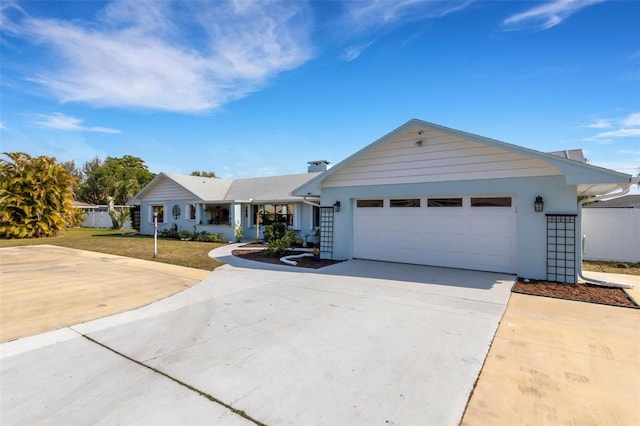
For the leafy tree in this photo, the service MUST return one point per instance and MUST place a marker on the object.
(204, 174)
(35, 196)
(76, 174)
(90, 189)
(120, 178)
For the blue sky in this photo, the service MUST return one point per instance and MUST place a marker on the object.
(261, 87)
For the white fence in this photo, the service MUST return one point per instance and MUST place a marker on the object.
(611, 234)
(100, 219)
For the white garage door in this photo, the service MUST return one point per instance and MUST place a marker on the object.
(458, 232)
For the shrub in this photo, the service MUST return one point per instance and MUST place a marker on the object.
(184, 234)
(239, 232)
(275, 231)
(279, 246)
(209, 237)
(168, 233)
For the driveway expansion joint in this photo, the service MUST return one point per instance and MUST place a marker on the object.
(181, 383)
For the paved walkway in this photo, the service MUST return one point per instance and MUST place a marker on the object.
(45, 287)
(559, 362)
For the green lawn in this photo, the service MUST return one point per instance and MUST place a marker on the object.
(184, 253)
(193, 253)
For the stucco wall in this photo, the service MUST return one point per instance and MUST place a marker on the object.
(303, 219)
(531, 227)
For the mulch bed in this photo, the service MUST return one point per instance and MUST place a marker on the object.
(578, 292)
(259, 256)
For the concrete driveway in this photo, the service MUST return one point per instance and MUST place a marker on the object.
(356, 343)
(46, 287)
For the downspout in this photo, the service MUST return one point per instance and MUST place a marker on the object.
(311, 203)
(580, 245)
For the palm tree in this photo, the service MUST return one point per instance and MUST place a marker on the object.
(35, 196)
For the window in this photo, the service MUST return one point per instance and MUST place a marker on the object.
(407, 202)
(217, 214)
(444, 202)
(370, 203)
(270, 213)
(191, 211)
(316, 217)
(160, 211)
(491, 202)
(175, 212)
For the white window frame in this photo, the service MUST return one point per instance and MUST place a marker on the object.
(187, 209)
(164, 212)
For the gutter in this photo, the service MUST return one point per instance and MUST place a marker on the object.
(579, 260)
(311, 203)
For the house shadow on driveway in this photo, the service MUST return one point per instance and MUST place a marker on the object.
(389, 271)
(489, 287)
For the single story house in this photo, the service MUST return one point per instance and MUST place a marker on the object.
(218, 206)
(429, 194)
(422, 194)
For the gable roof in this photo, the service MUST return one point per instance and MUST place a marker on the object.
(270, 188)
(204, 188)
(591, 180)
(208, 189)
(626, 202)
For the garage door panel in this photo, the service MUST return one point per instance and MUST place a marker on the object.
(496, 244)
(444, 222)
(445, 242)
(491, 226)
(467, 237)
(405, 238)
(485, 262)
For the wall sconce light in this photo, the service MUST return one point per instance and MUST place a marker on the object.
(538, 205)
(420, 142)
(336, 207)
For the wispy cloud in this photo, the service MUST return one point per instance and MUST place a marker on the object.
(169, 55)
(626, 127)
(632, 120)
(367, 14)
(368, 18)
(547, 15)
(600, 123)
(64, 122)
(352, 52)
(2, 126)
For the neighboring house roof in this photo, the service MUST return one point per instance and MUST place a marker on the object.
(571, 154)
(589, 179)
(206, 189)
(82, 205)
(626, 202)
